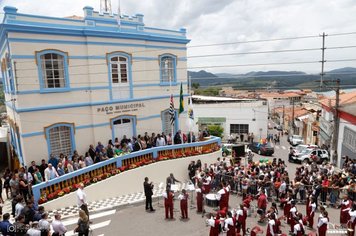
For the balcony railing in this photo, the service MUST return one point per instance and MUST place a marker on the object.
(67, 183)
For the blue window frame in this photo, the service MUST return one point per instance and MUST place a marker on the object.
(60, 139)
(120, 75)
(8, 76)
(168, 69)
(53, 71)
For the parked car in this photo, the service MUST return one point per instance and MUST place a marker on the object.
(310, 154)
(296, 139)
(278, 127)
(262, 149)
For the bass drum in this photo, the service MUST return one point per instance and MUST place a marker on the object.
(211, 200)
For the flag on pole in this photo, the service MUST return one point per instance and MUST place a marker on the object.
(119, 14)
(190, 110)
(171, 110)
(181, 99)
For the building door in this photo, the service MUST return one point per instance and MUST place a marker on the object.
(123, 127)
(120, 84)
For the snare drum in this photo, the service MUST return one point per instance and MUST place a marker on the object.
(211, 200)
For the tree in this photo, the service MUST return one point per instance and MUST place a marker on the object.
(216, 130)
(195, 85)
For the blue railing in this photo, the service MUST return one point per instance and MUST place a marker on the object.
(45, 189)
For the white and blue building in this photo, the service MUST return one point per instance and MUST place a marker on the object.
(71, 82)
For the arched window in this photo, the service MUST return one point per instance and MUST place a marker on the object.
(53, 70)
(120, 75)
(168, 69)
(60, 139)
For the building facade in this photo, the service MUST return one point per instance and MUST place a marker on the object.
(71, 82)
(346, 141)
(236, 116)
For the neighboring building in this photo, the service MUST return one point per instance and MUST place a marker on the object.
(71, 82)
(236, 116)
(347, 125)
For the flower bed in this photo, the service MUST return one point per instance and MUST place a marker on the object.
(112, 172)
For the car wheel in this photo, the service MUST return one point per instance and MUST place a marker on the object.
(306, 161)
(259, 152)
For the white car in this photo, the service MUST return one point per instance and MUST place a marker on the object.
(298, 149)
(296, 139)
(307, 155)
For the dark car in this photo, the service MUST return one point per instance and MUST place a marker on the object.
(262, 149)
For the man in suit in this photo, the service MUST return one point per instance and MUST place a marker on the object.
(171, 180)
(148, 193)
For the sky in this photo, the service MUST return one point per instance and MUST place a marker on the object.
(231, 25)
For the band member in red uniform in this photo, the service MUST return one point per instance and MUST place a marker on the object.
(292, 216)
(323, 224)
(241, 216)
(262, 205)
(287, 204)
(168, 202)
(311, 211)
(183, 197)
(230, 224)
(298, 228)
(200, 198)
(206, 184)
(346, 204)
(272, 228)
(223, 197)
(214, 224)
(352, 221)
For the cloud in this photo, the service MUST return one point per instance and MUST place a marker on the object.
(228, 21)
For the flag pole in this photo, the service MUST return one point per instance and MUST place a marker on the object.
(190, 101)
(172, 128)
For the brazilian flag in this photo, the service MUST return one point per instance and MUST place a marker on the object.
(181, 99)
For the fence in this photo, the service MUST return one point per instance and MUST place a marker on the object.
(67, 183)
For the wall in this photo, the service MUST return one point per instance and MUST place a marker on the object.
(343, 149)
(131, 181)
(237, 113)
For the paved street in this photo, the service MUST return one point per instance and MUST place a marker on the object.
(134, 220)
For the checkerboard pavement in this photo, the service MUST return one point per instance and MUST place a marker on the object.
(113, 202)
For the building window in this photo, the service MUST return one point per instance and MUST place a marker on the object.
(60, 139)
(168, 69)
(120, 78)
(53, 70)
(8, 78)
(239, 129)
(119, 68)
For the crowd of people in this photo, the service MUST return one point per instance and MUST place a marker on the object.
(315, 186)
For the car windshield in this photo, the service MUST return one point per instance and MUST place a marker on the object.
(306, 151)
(300, 148)
(267, 145)
(297, 137)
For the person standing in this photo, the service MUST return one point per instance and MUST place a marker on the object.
(83, 224)
(200, 198)
(50, 172)
(58, 226)
(82, 199)
(183, 197)
(5, 224)
(311, 212)
(148, 187)
(262, 205)
(323, 224)
(344, 210)
(168, 202)
(214, 224)
(272, 228)
(230, 224)
(223, 197)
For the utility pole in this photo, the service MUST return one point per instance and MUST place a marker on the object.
(283, 118)
(336, 122)
(322, 60)
(105, 6)
(335, 137)
(292, 116)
